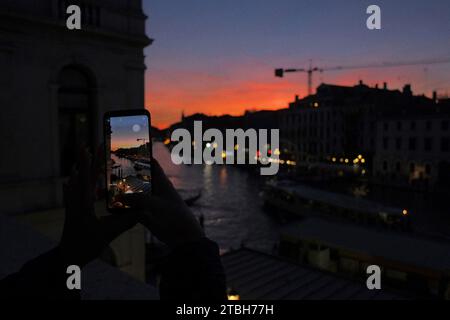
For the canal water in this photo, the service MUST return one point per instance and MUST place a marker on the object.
(233, 210)
(230, 202)
(126, 167)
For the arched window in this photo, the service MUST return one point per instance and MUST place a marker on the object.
(75, 113)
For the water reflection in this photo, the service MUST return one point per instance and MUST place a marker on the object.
(233, 211)
(230, 202)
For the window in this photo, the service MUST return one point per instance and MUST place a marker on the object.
(398, 143)
(385, 143)
(445, 144)
(428, 143)
(412, 144)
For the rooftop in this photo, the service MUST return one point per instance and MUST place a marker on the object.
(256, 275)
(338, 200)
(390, 246)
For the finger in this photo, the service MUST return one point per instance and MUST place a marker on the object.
(160, 180)
(85, 166)
(113, 226)
(73, 179)
(66, 200)
(98, 162)
(85, 181)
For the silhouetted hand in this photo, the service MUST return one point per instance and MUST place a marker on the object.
(166, 214)
(85, 236)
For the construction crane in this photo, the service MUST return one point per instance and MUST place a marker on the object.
(280, 71)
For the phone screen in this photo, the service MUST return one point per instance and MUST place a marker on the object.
(128, 159)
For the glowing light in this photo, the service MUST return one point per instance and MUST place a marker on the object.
(291, 163)
(355, 161)
(363, 160)
(316, 104)
(346, 160)
(233, 297)
(224, 155)
(208, 145)
(360, 157)
(277, 152)
(341, 160)
(363, 172)
(333, 159)
(236, 147)
(405, 212)
(215, 145)
(167, 141)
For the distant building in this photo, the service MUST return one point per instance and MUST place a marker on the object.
(341, 125)
(55, 86)
(409, 263)
(414, 150)
(255, 275)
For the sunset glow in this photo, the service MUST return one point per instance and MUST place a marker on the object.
(219, 58)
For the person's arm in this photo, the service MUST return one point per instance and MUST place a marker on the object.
(84, 238)
(193, 270)
(43, 277)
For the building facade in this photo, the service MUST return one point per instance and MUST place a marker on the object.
(414, 150)
(345, 127)
(55, 86)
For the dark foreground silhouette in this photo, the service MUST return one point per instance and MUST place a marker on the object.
(193, 270)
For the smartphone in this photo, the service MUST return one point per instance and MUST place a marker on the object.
(128, 150)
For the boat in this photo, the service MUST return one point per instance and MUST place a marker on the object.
(300, 200)
(190, 196)
(141, 164)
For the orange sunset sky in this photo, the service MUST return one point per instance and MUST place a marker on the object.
(218, 57)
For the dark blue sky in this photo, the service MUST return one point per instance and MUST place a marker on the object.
(208, 51)
(126, 131)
